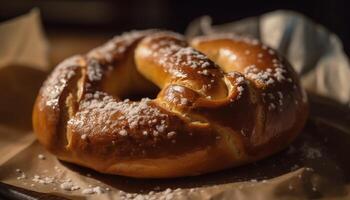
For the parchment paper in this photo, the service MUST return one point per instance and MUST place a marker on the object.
(316, 166)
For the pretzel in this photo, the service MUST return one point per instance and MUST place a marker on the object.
(224, 101)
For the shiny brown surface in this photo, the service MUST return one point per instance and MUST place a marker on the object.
(214, 109)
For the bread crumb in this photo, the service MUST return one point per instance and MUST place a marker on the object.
(83, 137)
(41, 157)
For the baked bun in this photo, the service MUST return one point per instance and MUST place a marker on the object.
(224, 101)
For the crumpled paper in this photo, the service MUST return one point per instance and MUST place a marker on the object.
(316, 165)
(23, 66)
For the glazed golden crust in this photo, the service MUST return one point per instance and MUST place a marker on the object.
(219, 106)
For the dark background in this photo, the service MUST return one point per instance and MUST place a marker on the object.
(118, 16)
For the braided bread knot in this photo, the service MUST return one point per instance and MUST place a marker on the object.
(224, 101)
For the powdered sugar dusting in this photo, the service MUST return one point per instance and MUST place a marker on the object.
(265, 77)
(175, 95)
(274, 100)
(94, 70)
(186, 57)
(118, 46)
(58, 80)
(181, 61)
(102, 113)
